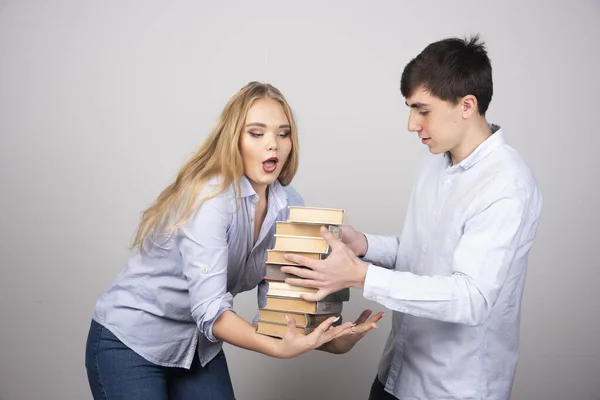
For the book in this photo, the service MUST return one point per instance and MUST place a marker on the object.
(277, 256)
(279, 329)
(316, 215)
(303, 229)
(302, 319)
(274, 273)
(282, 289)
(305, 244)
(300, 234)
(303, 306)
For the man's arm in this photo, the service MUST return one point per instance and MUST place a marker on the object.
(480, 262)
(377, 249)
(481, 265)
(382, 250)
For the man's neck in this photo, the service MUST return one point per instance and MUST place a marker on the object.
(473, 137)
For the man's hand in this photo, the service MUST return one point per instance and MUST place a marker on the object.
(341, 269)
(345, 343)
(355, 240)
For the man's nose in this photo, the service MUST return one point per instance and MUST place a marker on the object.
(413, 124)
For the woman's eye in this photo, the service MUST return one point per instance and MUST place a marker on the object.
(423, 113)
(255, 134)
(284, 134)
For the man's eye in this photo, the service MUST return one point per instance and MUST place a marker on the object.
(254, 134)
(423, 113)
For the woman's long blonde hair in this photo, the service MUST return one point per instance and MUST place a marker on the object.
(219, 156)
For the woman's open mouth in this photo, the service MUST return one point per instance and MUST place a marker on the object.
(270, 164)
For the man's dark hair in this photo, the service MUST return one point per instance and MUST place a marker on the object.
(450, 69)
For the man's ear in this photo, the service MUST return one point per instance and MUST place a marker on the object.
(469, 106)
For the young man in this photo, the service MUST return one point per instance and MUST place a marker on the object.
(454, 277)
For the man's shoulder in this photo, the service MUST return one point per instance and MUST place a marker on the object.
(508, 164)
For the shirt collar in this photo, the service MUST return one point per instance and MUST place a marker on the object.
(246, 187)
(486, 148)
(276, 191)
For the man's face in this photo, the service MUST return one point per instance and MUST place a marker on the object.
(438, 123)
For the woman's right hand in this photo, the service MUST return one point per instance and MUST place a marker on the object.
(294, 344)
(354, 240)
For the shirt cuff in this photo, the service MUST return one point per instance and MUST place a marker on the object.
(377, 282)
(216, 308)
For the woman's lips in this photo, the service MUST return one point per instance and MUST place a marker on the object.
(270, 165)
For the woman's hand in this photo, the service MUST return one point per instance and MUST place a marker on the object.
(345, 343)
(294, 344)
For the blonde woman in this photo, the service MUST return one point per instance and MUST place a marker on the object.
(157, 331)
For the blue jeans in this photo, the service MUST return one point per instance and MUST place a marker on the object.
(115, 372)
(378, 391)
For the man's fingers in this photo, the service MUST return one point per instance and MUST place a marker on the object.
(301, 282)
(315, 296)
(301, 272)
(333, 242)
(366, 326)
(363, 317)
(300, 260)
(377, 316)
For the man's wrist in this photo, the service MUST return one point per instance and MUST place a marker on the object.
(365, 247)
(361, 275)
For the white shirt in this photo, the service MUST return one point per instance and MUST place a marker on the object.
(455, 276)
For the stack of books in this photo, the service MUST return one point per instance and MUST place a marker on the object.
(300, 234)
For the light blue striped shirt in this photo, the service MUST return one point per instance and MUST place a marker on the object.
(456, 276)
(163, 304)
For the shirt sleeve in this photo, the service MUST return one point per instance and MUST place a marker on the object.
(261, 297)
(480, 262)
(382, 250)
(204, 250)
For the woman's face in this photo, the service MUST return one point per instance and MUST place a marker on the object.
(265, 143)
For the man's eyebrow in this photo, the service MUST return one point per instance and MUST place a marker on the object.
(260, 124)
(416, 105)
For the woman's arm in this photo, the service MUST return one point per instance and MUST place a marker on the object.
(204, 250)
(234, 330)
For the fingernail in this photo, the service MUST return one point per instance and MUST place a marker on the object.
(287, 318)
(336, 318)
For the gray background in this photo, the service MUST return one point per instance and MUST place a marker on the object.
(101, 102)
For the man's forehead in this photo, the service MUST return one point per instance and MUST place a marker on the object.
(420, 97)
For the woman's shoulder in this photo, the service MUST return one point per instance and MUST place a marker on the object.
(293, 197)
